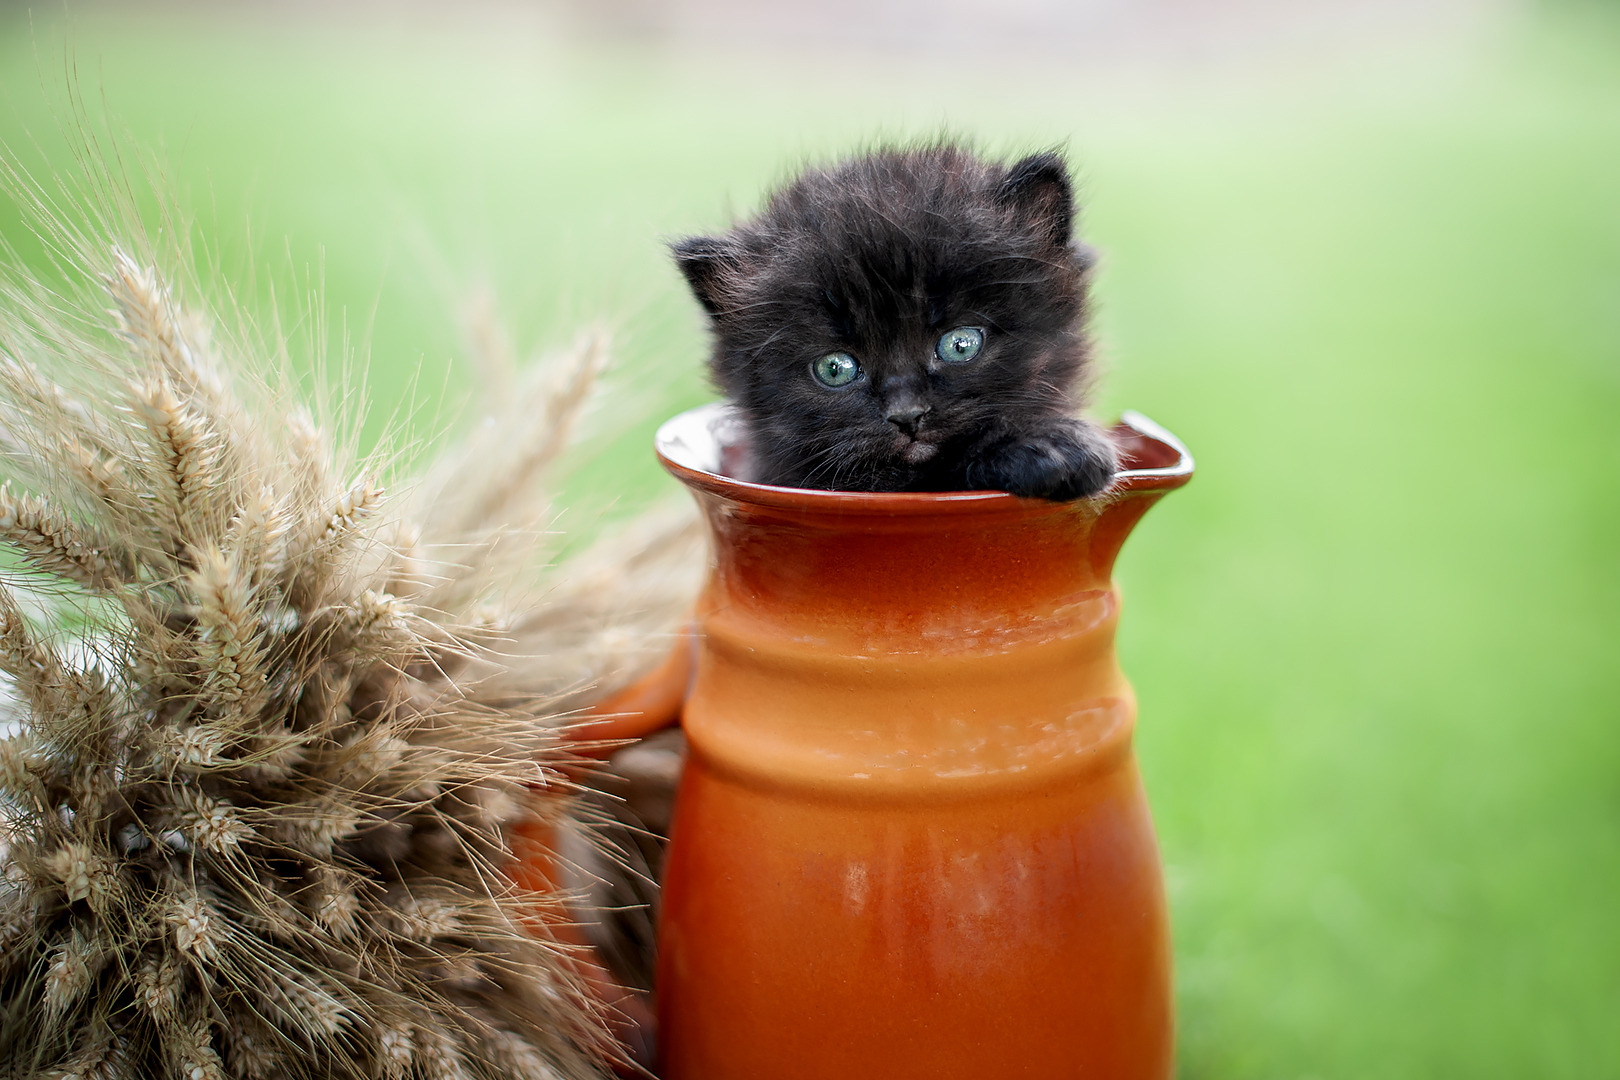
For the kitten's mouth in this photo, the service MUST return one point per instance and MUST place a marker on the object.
(916, 451)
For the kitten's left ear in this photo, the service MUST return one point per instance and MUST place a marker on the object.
(1038, 188)
(707, 261)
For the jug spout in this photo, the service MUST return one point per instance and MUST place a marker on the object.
(1152, 462)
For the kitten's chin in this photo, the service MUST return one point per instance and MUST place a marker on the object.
(918, 452)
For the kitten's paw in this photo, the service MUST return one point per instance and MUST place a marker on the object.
(1069, 460)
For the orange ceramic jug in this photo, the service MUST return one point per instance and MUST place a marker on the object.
(911, 839)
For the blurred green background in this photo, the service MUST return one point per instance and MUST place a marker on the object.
(1366, 264)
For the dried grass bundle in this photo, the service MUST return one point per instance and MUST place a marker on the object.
(268, 723)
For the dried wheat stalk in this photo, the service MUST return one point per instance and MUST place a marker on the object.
(252, 801)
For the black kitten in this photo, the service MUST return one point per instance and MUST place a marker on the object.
(908, 320)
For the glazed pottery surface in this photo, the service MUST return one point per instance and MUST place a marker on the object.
(911, 839)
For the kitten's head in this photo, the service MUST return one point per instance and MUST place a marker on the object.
(878, 317)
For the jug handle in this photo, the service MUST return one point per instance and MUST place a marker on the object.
(629, 1020)
(646, 706)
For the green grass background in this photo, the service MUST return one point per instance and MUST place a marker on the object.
(1377, 293)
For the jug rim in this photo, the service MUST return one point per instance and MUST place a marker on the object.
(690, 444)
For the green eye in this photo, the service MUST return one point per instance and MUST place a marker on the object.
(836, 370)
(960, 345)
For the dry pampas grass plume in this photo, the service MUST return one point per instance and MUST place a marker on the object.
(267, 720)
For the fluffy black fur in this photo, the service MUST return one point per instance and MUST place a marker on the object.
(878, 257)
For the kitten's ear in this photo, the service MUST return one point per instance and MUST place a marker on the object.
(1038, 188)
(707, 261)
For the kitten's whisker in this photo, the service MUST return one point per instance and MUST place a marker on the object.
(831, 459)
(769, 341)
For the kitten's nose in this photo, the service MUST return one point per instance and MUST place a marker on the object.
(906, 415)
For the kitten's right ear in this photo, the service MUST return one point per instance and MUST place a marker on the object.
(707, 262)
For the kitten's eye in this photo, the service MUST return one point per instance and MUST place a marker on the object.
(836, 370)
(960, 345)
